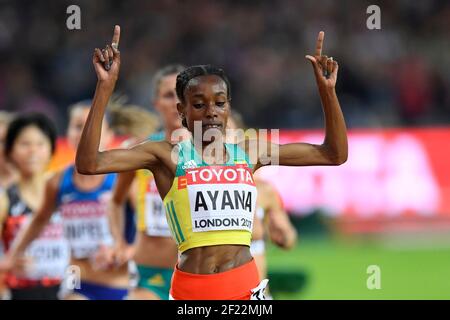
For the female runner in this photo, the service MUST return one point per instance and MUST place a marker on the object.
(82, 201)
(209, 193)
(29, 145)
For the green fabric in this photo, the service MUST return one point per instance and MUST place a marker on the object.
(157, 136)
(187, 153)
(156, 280)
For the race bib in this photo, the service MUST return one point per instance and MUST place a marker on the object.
(221, 198)
(86, 227)
(155, 216)
(49, 253)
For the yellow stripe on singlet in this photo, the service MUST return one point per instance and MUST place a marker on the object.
(143, 180)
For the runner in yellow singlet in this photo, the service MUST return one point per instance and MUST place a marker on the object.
(207, 185)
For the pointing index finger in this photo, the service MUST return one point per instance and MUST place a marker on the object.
(116, 37)
(319, 44)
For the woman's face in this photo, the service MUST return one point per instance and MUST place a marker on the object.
(206, 100)
(78, 117)
(31, 151)
(166, 101)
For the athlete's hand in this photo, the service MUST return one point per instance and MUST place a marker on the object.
(277, 236)
(107, 61)
(281, 231)
(122, 253)
(325, 69)
(103, 259)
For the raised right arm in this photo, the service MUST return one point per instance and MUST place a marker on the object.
(89, 160)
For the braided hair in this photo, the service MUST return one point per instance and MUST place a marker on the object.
(190, 73)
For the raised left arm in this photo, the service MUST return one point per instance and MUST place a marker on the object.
(334, 149)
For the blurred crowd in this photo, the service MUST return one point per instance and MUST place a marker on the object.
(396, 76)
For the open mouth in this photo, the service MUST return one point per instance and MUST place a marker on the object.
(212, 126)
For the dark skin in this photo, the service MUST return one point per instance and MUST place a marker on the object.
(205, 100)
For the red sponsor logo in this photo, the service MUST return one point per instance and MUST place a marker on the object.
(88, 209)
(218, 175)
(182, 183)
(52, 231)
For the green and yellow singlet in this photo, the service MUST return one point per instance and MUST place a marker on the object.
(211, 204)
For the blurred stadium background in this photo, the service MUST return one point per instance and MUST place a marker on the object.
(389, 205)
